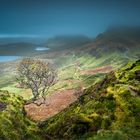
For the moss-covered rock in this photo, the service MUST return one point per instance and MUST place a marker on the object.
(14, 125)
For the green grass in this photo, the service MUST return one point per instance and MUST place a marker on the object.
(13, 122)
(67, 70)
(107, 110)
(6, 80)
(25, 93)
(9, 84)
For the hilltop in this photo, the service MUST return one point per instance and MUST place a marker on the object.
(118, 39)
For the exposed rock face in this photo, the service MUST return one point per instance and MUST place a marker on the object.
(2, 106)
(138, 75)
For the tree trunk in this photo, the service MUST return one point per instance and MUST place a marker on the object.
(44, 98)
(35, 94)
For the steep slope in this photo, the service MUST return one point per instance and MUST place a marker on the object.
(109, 110)
(121, 40)
(13, 122)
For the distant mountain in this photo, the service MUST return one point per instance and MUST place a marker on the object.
(27, 46)
(119, 39)
(67, 42)
(124, 35)
(124, 40)
(18, 49)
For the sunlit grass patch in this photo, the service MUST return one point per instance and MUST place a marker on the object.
(25, 93)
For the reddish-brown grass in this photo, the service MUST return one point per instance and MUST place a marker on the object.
(104, 69)
(55, 103)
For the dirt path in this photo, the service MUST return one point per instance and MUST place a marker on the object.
(56, 102)
(104, 69)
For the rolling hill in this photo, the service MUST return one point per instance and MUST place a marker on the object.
(108, 110)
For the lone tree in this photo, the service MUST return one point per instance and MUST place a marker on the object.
(37, 75)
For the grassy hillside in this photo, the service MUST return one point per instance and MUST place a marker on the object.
(70, 74)
(115, 47)
(14, 125)
(8, 79)
(69, 70)
(110, 110)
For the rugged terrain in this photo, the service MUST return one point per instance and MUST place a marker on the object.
(96, 97)
(107, 110)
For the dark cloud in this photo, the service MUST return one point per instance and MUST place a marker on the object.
(53, 17)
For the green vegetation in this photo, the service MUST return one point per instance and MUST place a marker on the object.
(69, 68)
(109, 108)
(69, 73)
(13, 121)
(36, 75)
(9, 83)
(107, 111)
(109, 105)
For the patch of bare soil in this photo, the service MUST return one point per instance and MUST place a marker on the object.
(104, 69)
(54, 104)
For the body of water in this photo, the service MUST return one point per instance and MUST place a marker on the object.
(42, 49)
(8, 58)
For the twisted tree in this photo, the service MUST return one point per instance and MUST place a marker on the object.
(37, 75)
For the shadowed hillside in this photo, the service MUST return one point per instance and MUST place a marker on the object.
(121, 40)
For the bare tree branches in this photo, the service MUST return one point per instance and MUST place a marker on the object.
(37, 75)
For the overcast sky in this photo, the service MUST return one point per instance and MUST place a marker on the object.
(59, 17)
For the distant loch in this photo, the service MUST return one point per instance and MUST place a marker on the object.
(42, 49)
(15, 56)
(8, 58)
